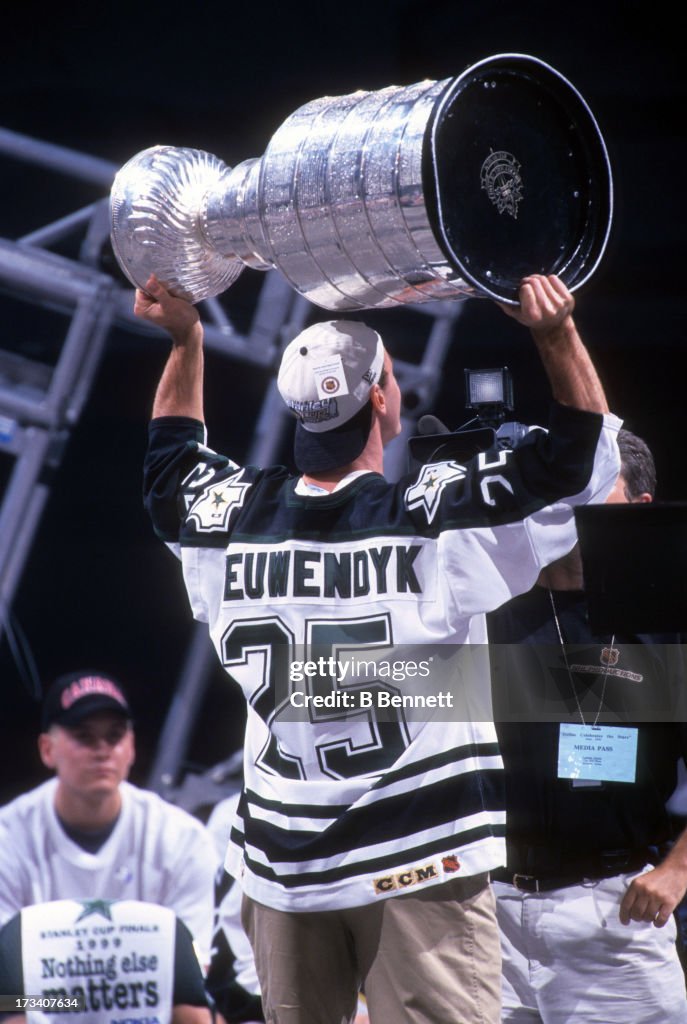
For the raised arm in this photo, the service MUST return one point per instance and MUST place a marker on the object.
(180, 390)
(546, 307)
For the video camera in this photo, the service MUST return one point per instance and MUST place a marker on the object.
(490, 394)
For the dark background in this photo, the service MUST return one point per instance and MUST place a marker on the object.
(98, 590)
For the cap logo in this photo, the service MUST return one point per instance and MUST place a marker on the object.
(330, 378)
(89, 686)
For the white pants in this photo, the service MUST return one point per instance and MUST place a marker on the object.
(567, 959)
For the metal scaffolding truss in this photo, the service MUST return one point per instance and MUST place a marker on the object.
(41, 404)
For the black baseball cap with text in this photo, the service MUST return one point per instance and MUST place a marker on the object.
(78, 695)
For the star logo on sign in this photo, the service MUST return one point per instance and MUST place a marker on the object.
(90, 907)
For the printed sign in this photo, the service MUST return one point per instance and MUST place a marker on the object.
(115, 957)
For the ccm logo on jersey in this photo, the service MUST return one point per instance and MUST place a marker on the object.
(405, 879)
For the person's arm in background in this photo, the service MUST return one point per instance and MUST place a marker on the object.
(191, 1015)
(190, 1003)
(654, 895)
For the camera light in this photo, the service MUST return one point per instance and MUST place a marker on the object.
(489, 387)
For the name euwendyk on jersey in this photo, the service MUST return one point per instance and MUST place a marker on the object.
(350, 792)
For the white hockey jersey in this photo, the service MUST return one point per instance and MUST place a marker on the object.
(347, 798)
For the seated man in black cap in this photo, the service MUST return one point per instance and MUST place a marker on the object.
(88, 832)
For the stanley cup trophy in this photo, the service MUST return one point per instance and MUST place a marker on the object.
(438, 190)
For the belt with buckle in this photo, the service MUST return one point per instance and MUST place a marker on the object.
(531, 883)
(606, 865)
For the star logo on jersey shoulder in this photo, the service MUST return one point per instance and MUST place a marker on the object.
(212, 510)
(101, 907)
(426, 492)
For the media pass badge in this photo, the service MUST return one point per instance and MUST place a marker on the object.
(603, 753)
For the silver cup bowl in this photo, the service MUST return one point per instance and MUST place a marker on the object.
(436, 190)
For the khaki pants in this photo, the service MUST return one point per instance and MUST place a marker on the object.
(426, 958)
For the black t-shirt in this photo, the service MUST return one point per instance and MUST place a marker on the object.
(637, 680)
